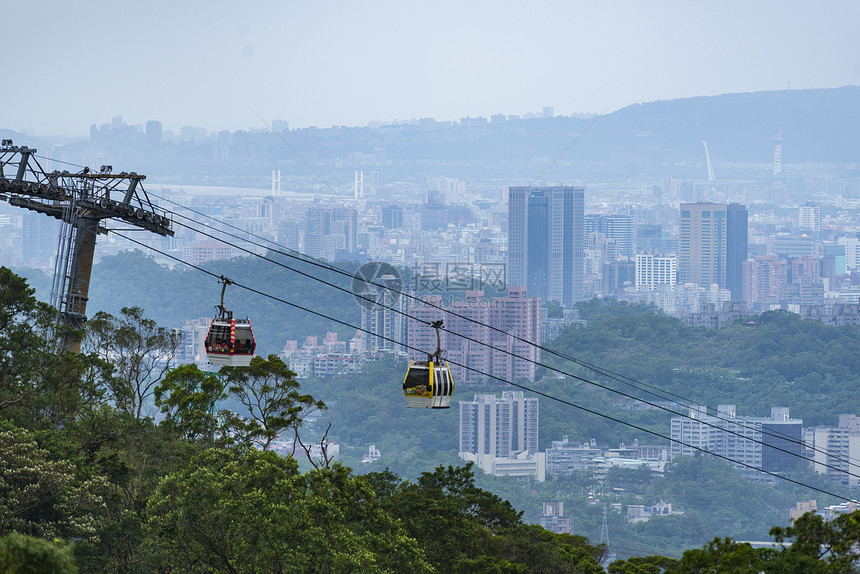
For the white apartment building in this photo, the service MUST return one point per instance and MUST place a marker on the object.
(653, 270)
(500, 435)
(838, 448)
(852, 252)
(500, 426)
(809, 217)
(192, 348)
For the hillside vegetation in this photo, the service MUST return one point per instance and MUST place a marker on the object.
(779, 360)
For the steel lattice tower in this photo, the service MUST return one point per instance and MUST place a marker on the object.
(81, 201)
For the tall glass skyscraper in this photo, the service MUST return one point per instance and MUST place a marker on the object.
(737, 240)
(546, 241)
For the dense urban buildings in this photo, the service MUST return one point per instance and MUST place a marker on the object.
(499, 341)
(561, 245)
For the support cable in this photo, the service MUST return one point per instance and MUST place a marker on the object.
(549, 367)
(599, 370)
(638, 385)
(500, 379)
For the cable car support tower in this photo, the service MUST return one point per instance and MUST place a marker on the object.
(82, 201)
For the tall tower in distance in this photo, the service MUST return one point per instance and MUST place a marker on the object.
(358, 186)
(546, 241)
(777, 154)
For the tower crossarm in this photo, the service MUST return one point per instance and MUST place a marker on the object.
(94, 195)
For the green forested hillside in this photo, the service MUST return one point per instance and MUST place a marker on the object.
(775, 359)
(89, 483)
(778, 360)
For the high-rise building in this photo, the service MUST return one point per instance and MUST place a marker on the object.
(518, 315)
(546, 241)
(317, 229)
(39, 233)
(329, 230)
(392, 217)
(737, 239)
(153, 133)
(191, 348)
(702, 244)
(499, 426)
(713, 245)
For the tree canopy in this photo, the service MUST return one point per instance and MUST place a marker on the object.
(91, 482)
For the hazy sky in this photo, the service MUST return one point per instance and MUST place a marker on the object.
(214, 64)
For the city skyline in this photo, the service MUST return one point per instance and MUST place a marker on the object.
(355, 64)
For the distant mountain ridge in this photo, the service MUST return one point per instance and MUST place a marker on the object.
(654, 139)
(816, 125)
